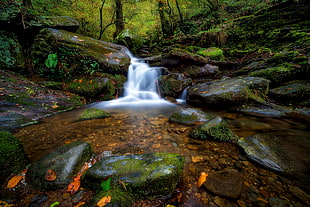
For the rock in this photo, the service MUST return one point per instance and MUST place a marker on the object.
(56, 22)
(190, 116)
(65, 161)
(13, 158)
(213, 53)
(53, 50)
(92, 114)
(215, 129)
(281, 73)
(91, 87)
(296, 93)
(205, 71)
(227, 183)
(11, 53)
(282, 152)
(12, 120)
(150, 174)
(173, 84)
(229, 92)
(176, 57)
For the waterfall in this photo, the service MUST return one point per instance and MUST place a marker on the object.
(183, 96)
(141, 91)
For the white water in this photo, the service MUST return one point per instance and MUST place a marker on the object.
(141, 91)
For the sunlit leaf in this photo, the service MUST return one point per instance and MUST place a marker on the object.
(14, 181)
(106, 183)
(202, 179)
(104, 201)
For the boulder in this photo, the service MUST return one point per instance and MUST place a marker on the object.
(64, 161)
(176, 57)
(56, 22)
(190, 116)
(11, 54)
(59, 55)
(213, 53)
(195, 71)
(296, 93)
(173, 84)
(144, 175)
(229, 92)
(91, 87)
(92, 114)
(215, 129)
(13, 158)
(285, 151)
(227, 183)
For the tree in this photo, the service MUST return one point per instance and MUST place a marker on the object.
(119, 18)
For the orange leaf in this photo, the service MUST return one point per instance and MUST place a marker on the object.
(74, 186)
(14, 181)
(80, 204)
(202, 179)
(104, 201)
(80, 81)
(50, 175)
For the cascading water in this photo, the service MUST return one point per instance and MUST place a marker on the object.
(141, 91)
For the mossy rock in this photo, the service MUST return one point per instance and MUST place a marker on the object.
(213, 53)
(281, 73)
(215, 129)
(95, 88)
(144, 175)
(13, 158)
(92, 114)
(119, 197)
(190, 116)
(173, 84)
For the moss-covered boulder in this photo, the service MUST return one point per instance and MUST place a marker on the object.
(214, 129)
(91, 87)
(61, 55)
(173, 84)
(190, 116)
(144, 175)
(214, 53)
(91, 113)
(11, 55)
(229, 92)
(195, 71)
(56, 22)
(175, 57)
(295, 92)
(64, 161)
(282, 73)
(13, 158)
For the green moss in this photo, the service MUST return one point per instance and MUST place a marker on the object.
(213, 53)
(92, 114)
(13, 158)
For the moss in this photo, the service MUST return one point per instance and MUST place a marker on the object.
(13, 158)
(213, 53)
(92, 114)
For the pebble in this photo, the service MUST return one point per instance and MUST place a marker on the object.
(197, 159)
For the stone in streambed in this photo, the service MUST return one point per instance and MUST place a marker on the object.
(190, 116)
(144, 175)
(65, 161)
(92, 114)
(227, 183)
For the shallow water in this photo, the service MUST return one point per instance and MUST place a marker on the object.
(147, 129)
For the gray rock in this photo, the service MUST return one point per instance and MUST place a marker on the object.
(150, 174)
(56, 22)
(190, 116)
(227, 183)
(229, 92)
(173, 84)
(65, 161)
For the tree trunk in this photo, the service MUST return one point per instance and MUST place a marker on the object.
(27, 4)
(119, 19)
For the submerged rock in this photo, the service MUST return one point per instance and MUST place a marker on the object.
(229, 92)
(65, 162)
(92, 114)
(282, 152)
(13, 158)
(150, 174)
(215, 129)
(190, 116)
(227, 183)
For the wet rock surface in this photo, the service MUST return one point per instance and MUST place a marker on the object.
(190, 116)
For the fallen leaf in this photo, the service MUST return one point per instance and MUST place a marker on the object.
(74, 186)
(50, 175)
(202, 179)
(16, 179)
(104, 201)
(79, 204)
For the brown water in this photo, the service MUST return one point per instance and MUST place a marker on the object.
(150, 131)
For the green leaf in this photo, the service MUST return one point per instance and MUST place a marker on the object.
(106, 183)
